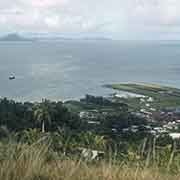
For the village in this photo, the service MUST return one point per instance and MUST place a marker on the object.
(159, 121)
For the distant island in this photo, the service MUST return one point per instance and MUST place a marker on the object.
(33, 37)
(14, 37)
(61, 38)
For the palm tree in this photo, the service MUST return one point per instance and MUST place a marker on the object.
(42, 113)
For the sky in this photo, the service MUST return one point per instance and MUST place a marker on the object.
(118, 19)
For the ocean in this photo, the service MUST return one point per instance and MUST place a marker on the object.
(69, 69)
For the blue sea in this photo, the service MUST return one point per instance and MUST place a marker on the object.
(69, 69)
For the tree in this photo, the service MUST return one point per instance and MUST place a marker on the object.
(4, 132)
(42, 113)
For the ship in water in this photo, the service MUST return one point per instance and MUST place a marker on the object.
(12, 77)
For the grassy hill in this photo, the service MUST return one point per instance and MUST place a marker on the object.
(23, 162)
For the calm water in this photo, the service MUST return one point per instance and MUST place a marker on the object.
(70, 69)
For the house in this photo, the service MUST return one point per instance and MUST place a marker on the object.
(87, 114)
(138, 114)
(125, 130)
(114, 130)
(175, 135)
(178, 121)
(153, 132)
(171, 125)
(134, 130)
(142, 100)
(83, 114)
(147, 127)
(145, 112)
(168, 127)
(152, 109)
(150, 99)
(160, 130)
(94, 122)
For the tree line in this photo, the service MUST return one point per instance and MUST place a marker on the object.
(47, 115)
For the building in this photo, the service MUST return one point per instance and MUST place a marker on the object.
(175, 135)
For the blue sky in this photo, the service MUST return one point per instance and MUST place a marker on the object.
(119, 19)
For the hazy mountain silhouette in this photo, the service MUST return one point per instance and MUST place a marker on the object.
(14, 37)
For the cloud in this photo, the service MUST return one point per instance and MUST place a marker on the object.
(11, 11)
(52, 21)
(44, 3)
(116, 18)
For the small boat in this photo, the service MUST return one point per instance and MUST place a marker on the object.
(11, 77)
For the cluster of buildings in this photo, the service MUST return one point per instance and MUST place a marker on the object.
(164, 121)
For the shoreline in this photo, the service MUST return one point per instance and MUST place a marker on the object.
(121, 90)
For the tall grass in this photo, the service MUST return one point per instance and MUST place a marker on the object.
(38, 162)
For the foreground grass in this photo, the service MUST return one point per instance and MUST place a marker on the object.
(24, 162)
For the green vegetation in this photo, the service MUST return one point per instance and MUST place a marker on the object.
(163, 96)
(86, 139)
(42, 113)
(16, 116)
(38, 162)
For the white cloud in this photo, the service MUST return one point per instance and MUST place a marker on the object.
(52, 21)
(2, 20)
(115, 18)
(44, 3)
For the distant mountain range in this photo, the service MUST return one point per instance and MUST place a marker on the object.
(14, 37)
(17, 37)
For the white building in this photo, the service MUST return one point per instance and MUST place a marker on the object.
(175, 135)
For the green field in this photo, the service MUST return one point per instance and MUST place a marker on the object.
(163, 96)
(77, 106)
